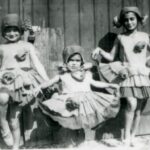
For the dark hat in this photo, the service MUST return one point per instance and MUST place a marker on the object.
(70, 51)
(11, 20)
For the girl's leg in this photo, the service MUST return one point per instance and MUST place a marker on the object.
(15, 123)
(5, 130)
(137, 117)
(129, 116)
(89, 134)
(89, 137)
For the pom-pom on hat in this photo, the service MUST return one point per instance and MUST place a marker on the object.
(11, 20)
(118, 21)
(70, 51)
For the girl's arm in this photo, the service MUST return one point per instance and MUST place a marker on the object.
(99, 84)
(50, 82)
(37, 64)
(45, 85)
(109, 56)
(148, 57)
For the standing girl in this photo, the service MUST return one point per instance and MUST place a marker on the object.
(131, 46)
(78, 106)
(20, 72)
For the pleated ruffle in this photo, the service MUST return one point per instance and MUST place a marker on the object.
(136, 81)
(137, 92)
(111, 72)
(18, 82)
(124, 75)
(94, 108)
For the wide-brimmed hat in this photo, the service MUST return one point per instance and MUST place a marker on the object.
(129, 9)
(118, 20)
(11, 20)
(70, 51)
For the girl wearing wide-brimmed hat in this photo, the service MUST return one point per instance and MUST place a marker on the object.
(77, 106)
(130, 71)
(20, 72)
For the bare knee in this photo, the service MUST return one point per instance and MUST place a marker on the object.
(14, 124)
(4, 98)
(14, 120)
(131, 104)
(137, 113)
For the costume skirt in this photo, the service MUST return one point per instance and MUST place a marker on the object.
(18, 83)
(133, 83)
(81, 109)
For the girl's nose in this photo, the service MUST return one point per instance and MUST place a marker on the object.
(129, 21)
(11, 32)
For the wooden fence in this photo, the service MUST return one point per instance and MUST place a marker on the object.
(82, 22)
(65, 22)
(49, 44)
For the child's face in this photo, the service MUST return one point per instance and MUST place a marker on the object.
(130, 21)
(74, 63)
(12, 34)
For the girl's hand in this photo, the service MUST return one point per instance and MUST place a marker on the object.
(36, 91)
(96, 53)
(114, 86)
(117, 93)
(23, 103)
(117, 89)
(27, 94)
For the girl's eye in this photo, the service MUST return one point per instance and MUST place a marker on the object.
(11, 29)
(78, 60)
(132, 19)
(15, 30)
(129, 19)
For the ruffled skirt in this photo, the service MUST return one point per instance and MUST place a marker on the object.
(18, 83)
(81, 110)
(133, 83)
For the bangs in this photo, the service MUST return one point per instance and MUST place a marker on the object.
(82, 62)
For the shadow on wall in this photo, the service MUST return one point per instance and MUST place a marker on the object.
(107, 42)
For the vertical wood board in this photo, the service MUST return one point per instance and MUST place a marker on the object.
(101, 19)
(71, 22)
(40, 13)
(87, 26)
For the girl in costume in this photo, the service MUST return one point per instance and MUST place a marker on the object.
(20, 72)
(130, 71)
(77, 106)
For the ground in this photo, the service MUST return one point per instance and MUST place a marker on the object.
(143, 143)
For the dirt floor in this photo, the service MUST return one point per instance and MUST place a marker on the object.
(142, 143)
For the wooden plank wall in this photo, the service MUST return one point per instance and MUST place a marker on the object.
(66, 22)
(82, 22)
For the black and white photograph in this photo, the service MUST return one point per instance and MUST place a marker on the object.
(75, 74)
